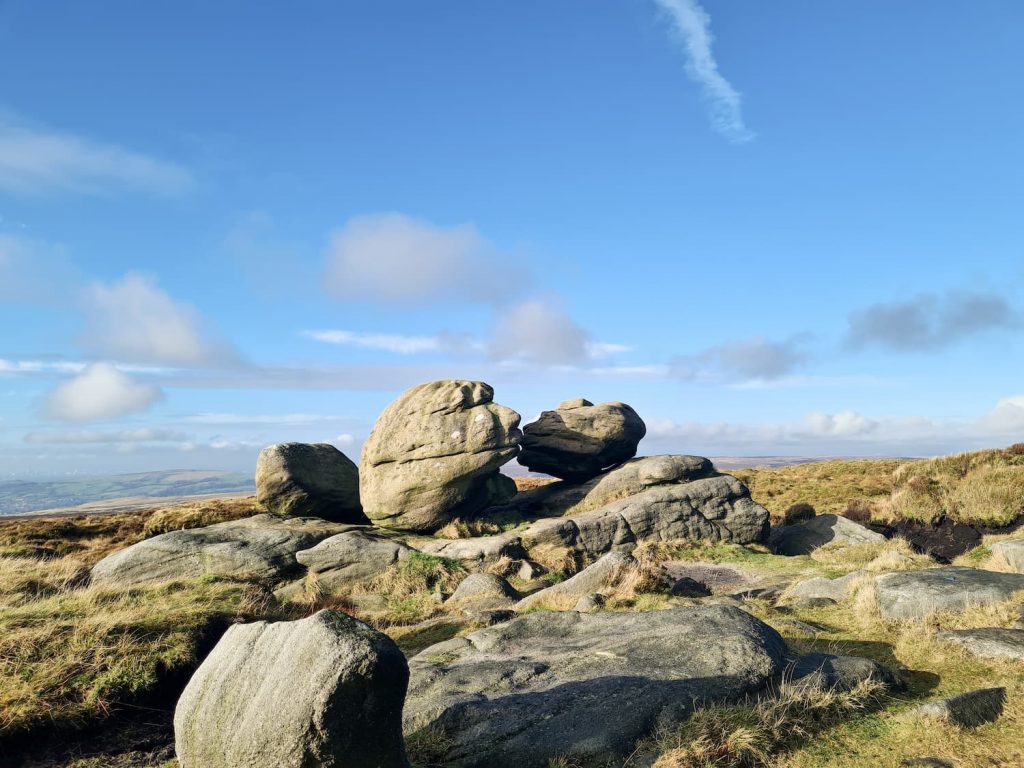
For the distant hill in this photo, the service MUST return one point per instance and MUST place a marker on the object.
(18, 497)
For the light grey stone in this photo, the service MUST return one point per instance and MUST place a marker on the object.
(821, 587)
(589, 603)
(915, 594)
(968, 710)
(309, 480)
(478, 549)
(589, 685)
(806, 537)
(579, 439)
(989, 642)
(434, 455)
(324, 691)
(352, 557)
(262, 546)
(586, 582)
(483, 586)
(1011, 550)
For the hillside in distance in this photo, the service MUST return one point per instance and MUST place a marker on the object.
(106, 492)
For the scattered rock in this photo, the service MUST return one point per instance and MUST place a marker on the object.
(716, 578)
(686, 587)
(836, 590)
(968, 710)
(556, 683)
(263, 546)
(1012, 551)
(915, 594)
(481, 586)
(479, 549)
(820, 530)
(352, 557)
(309, 480)
(826, 671)
(324, 691)
(989, 643)
(586, 582)
(589, 603)
(434, 455)
(579, 439)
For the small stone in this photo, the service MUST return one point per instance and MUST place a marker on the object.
(968, 710)
(589, 603)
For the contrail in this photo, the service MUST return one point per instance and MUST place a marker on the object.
(692, 24)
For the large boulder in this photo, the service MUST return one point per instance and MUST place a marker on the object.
(1012, 551)
(579, 439)
(717, 508)
(806, 537)
(988, 642)
(434, 455)
(550, 684)
(915, 594)
(309, 480)
(324, 691)
(352, 557)
(262, 546)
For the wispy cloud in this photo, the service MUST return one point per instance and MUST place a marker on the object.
(89, 437)
(929, 322)
(753, 359)
(692, 25)
(40, 161)
(389, 342)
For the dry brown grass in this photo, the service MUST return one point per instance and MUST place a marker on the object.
(893, 554)
(530, 483)
(199, 515)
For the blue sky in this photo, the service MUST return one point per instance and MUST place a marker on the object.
(774, 228)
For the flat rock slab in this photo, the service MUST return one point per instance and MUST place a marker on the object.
(262, 546)
(556, 683)
(717, 578)
(968, 710)
(586, 582)
(915, 594)
(352, 557)
(1012, 551)
(989, 642)
(806, 537)
(820, 587)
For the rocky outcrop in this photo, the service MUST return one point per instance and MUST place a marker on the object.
(968, 710)
(263, 546)
(589, 685)
(817, 532)
(434, 455)
(352, 557)
(915, 594)
(988, 642)
(324, 691)
(1011, 551)
(717, 508)
(579, 439)
(311, 480)
(586, 582)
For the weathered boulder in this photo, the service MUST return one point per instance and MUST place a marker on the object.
(820, 587)
(262, 546)
(988, 643)
(483, 586)
(586, 582)
(479, 549)
(827, 671)
(323, 691)
(915, 594)
(806, 537)
(968, 710)
(309, 480)
(1012, 551)
(579, 439)
(715, 508)
(352, 557)
(434, 455)
(588, 685)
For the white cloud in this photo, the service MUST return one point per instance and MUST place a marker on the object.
(692, 24)
(538, 332)
(134, 320)
(398, 259)
(89, 437)
(101, 391)
(38, 161)
(1007, 417)
(843, 424)
(345, 439)
(398, 344)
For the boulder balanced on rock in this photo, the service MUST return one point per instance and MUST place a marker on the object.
(434, 455)
(578, 439)
(324, 691)
(312, 480)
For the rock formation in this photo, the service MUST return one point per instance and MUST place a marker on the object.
(309, 480)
